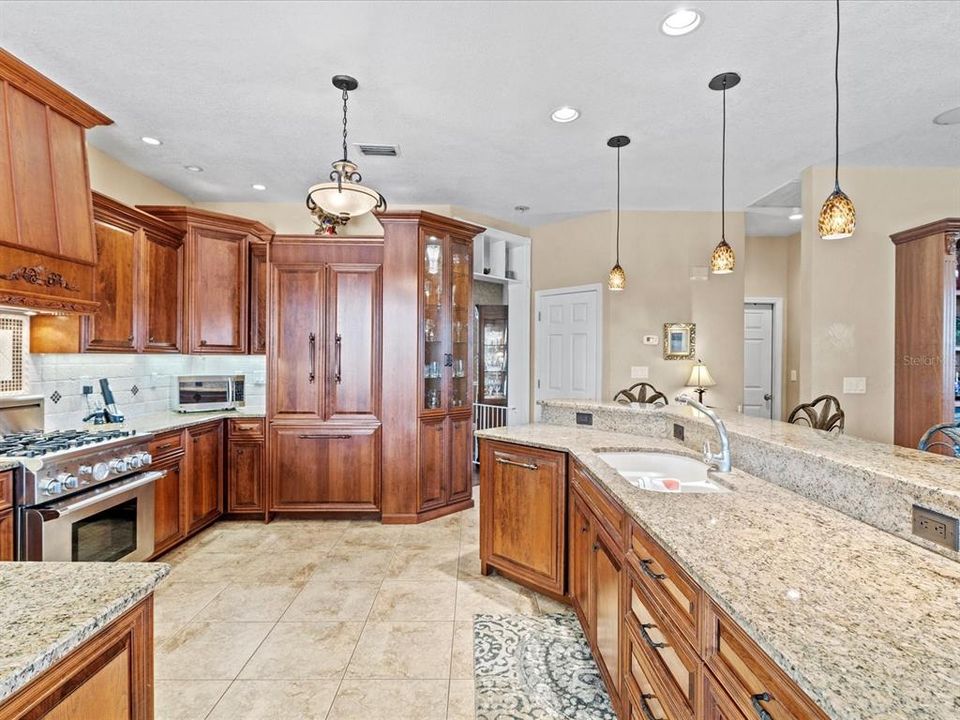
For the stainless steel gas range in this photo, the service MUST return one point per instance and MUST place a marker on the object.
(82, 495)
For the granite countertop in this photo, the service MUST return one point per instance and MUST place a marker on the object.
(867, 624)
(48, 609)
(156, 423)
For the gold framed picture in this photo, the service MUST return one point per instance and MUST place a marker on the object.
(679, 341)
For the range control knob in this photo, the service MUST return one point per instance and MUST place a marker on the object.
(101, 471)
(53, 487)
(145, 459)
(68, 481)
(132, 461)
(118, 465)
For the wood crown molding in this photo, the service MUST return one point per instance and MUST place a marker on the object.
(39, 86)
(950, 226)
(440, 222)
(182, 215)
(320, 240)
(108, 210)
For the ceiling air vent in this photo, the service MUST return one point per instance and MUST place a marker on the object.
(374, 150)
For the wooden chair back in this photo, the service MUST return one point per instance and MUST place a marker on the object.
(944, 435)
(828, 417)
(641, 393)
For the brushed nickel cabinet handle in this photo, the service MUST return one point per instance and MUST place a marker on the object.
(324, 437)
(528, 466)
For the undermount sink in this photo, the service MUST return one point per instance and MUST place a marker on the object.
(662, 472)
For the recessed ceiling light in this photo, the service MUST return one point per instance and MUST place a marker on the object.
(521, 208)
(950, 117)
(681, 22)
(796, 214)
(193, 168)
(151, 140)
(258, 186)
(565, 114)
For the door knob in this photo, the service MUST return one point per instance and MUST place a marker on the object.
(767, 397)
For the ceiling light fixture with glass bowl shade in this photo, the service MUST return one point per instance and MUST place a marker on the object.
(838, 216)
(336, 202)
(723, 259)
(617, 280)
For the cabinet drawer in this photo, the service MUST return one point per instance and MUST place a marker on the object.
(717, 705)
(6, 490)
(166, 444)
(645, 698)
(246, 427)
(671, 588)
(753, 682)
(606, 510)
(676, 667)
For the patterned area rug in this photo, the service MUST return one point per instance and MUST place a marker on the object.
(536, 667)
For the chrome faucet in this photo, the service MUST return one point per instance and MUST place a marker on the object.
(721, 459)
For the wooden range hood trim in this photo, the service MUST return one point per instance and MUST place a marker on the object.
(183, 215)
(949, 226)
(42, 88)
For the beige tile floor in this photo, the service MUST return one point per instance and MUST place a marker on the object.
(326, 619)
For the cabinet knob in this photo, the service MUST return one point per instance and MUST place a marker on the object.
(151, 339)
(130, 338)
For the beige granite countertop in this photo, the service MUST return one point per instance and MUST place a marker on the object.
(874, 629)
(48, 609)
(155, 423)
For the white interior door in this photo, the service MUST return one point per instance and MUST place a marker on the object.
(758, 360)
(568, 343)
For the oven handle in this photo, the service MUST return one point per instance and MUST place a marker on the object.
(139, 481)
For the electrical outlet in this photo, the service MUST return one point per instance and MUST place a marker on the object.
(935, 527)
(678, 431)
(639, 373)
(584, 418)
(854, 385)
(793, 376)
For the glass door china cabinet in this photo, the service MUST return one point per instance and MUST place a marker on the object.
(491, 355)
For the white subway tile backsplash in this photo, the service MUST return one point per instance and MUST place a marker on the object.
(152, 374)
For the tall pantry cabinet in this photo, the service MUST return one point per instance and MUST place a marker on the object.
(428, 376)
(324, 373)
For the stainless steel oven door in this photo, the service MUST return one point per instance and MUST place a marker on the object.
(113, 522)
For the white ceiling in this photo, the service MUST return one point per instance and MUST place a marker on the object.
(466, 90)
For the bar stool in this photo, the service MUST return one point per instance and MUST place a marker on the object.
(825, 418)
(943, 435)
(641, 393)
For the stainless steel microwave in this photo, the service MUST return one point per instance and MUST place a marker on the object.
(200, 393)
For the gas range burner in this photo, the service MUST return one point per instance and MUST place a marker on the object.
(38, 444)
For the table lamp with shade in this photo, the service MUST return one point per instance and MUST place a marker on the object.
(700, 379)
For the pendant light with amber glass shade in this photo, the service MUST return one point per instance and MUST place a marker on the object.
(723, 260)
(838, 217)
(617, 280)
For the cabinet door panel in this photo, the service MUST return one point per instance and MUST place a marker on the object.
(433, 463)
(581, 554)
(353, 345)
(460, 318)
(258, 298)
(167, 509)
(606, 603)
(296, 328)
(6, 535)
(245, 476)
(219, 295)
(205, 477)
(112, 327)
(316, 468)
(163, 312)
(523, 506)
(461, 458)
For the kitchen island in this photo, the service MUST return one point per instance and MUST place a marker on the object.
(76, 639)
(857, 620)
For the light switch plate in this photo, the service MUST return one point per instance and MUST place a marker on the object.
(793, 376)
(639, 373)
(854, 385)
(651, 339)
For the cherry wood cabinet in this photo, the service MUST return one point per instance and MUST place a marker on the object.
(258, 298)
(109, 677)
(168, 516)
(523, 503)
(246, 466)
(427, 287)
(204, 482)
(46, 220)
(216, 280)
(6, 516)
(137, 285)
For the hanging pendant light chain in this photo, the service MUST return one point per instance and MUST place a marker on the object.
(618, 206)
(344, 124)
(723, 167)
(836, 95)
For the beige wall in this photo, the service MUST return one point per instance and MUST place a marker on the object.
(121, 182)
(847, 286)
(767, 274)
(657, 250)
(792, 324)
